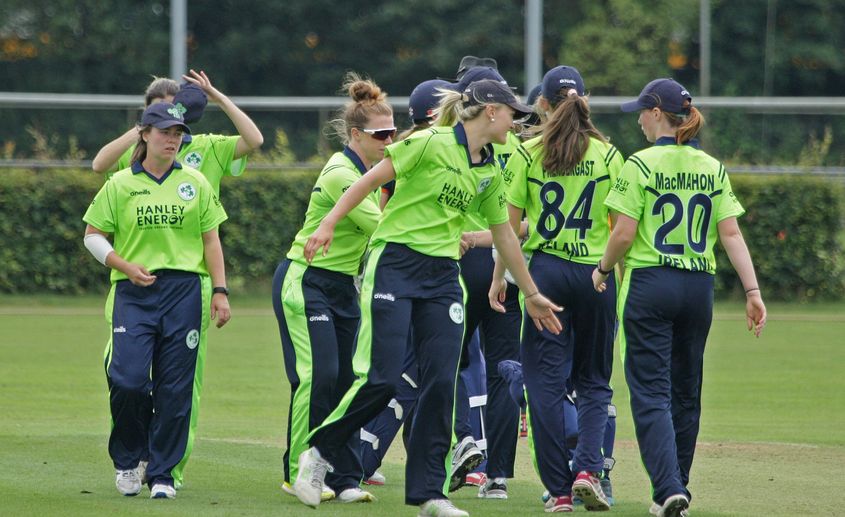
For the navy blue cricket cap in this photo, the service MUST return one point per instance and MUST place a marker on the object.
(191, 101)
(424, 100)
(561, 77)
(468, 62)
(479, 73)
(666, 94)
(488, 91)
(163, 115)
(534, 94)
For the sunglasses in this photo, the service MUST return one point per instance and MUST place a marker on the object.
(380, 134)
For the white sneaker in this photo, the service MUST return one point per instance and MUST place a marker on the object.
(466, 456)
(674, 506)
(327, 494)
(496, 488)
(440, 508)
(142, 471)
(355, 495)
(311, 477)
(286, 488)
(162, 491)
(127, 482)
(376, 479)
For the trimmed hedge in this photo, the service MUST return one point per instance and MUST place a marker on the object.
(793, 226)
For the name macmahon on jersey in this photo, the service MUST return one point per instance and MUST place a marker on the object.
(685, 181)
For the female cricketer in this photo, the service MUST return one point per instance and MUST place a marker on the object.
(379, 433)
(673, 201)
(316, 303)
(560, 180)
(215, 156)
(412, 278)
(168, 281)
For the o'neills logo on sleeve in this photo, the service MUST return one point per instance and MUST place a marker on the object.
(160, 216)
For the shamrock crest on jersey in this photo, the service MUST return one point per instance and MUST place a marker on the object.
(186, 191)
(193, 159)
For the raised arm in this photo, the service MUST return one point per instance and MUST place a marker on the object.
(110, 153)
(322, 236)
(251, 138)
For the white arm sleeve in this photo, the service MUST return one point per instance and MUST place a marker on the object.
(99, 246)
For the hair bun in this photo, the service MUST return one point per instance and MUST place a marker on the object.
(365, 91)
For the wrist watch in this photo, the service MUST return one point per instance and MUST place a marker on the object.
(221, 290)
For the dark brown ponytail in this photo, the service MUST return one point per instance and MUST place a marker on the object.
(566, 135)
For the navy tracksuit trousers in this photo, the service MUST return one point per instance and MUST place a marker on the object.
(156, 328)
(318, 316)
(499, 335)
(666, 315)
(586, 343)
(403, 288)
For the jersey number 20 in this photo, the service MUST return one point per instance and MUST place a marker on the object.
(696, 237)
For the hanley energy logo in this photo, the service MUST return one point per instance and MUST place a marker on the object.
(186, 191)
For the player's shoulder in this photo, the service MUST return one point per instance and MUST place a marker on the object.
(605, 149)
(122, 174)
(338, 163)
(201, 139)
(195, 175)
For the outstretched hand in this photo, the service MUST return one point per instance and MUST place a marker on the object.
(321, 238)
(542, 311)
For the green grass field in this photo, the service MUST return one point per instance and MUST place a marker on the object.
(772, 439)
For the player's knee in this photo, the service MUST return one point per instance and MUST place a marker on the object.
(131, 382)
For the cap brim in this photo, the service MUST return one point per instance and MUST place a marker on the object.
(164, 124)
(631, 106)
(522, 110)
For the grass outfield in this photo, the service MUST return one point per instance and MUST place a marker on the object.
(772, 440)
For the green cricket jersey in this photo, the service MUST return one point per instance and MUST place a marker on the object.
(353, 231)
(679, 194)
(501, 153)
(213, 155)
(437, 186)
(157, 223)
(566, 213)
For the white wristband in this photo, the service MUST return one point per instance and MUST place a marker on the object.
(99, 246)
